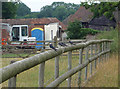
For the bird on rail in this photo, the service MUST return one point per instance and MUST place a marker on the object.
(62, 44)
(51, 46)
(71, 43)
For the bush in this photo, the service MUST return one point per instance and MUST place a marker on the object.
(86, 31)
(75, 30)
(113, 34)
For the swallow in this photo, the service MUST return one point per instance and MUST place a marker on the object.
(62, 44)
(51, 46)
(71, 43)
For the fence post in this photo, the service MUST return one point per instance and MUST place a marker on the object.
(86, 58)
(12, 81)
(56, 67)
(102, 51)
(41, 73)
(80, 62)
(56, 60)
(69, 66)
(99, 52)
(108, 49)
(91, 56)
(105, 50)
(95, 54)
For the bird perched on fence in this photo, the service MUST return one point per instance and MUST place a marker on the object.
(71, 43)
(62, 44)
(51, 46)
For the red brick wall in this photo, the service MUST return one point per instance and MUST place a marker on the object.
(34, 26)
(5, 34)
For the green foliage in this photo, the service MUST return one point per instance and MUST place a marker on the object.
(60, 13)
(113, 34)
(45, 12)
(23, 10)
(86, 31)
(86, 5)
(60, 10)
(31, 15)
(75, 30)
(103, 8)
(9, 10)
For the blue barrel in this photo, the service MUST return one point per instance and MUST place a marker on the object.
(39, 34)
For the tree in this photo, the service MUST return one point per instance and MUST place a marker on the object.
(9, 10)
(102, 8)
(73, 30)
(60, 10)
(31, 15)
(60, 13)
(46, 11)
(22, 9)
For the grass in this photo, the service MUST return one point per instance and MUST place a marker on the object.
(113, 35)
(12, 55)
(107, 74)
(29, 78)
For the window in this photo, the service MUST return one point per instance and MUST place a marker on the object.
(58, 33)
(24, 31)
(51, 34)
(15, 33)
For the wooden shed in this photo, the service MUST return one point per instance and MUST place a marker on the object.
(102, 23)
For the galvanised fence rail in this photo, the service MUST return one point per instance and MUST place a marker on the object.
(94, 50)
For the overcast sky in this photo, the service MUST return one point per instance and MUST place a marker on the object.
(35, 5)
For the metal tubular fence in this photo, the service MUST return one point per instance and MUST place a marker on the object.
(94, 49)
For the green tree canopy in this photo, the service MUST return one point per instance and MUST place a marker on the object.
(22, 9)
(31, 15)
(60, 10)
(9, 10)
(46, 11)
(73, 30)
(60, 13)
(102, 8)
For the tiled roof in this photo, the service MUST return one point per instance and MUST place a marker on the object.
(101, 21)
(66, 21)
(34, 21)
(16, 21)
(48, 21)
(82, 14)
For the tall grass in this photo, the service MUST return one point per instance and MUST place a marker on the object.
(113, 34)
(106, 75)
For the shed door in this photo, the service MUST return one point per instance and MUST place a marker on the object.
(39, 34)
